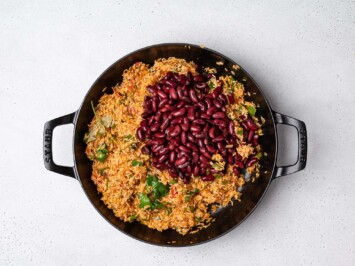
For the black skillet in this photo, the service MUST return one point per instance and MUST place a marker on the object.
(227, 218)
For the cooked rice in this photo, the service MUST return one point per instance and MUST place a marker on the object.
(115, 124)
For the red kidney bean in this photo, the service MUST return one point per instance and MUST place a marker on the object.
(172, 156)
(211, 110)
(223, 99)
(144, 123)
(195, 157)
(212, 132)
(193, 95)
(207, 178)
(165, 124)
(211, 149)
(164, 151)
(173, 94)
(204, 159)
(217, 91)
(176, 120)
(150, 88)
(230, 159)
(179, 92)
(206, 154)
(200, 143)
(240, 164)
(220, 123)
(219, 115)
(183, 137)
(171, 146)
(236, 171)
(162, 94)
(250, 136)
(217, 103)
(198, 78)
(171, 83)
(179, 112)
(186, 99)
(169, 75)
(199, 121)
(150, 120)
(184, 165)
(180, 161)
(140, 134)
(220, 146)
(176, 131)
(155, 127)
(200, 85)
(185, 125)
(231, 128)
(162, 103)
(256, 140)
(184, 148)
(180, 104)
(209, 103)
(205, 116)
(245, 125)
(190, 137)
(196, 171)
(252, 161)
(162, 158)
(218, 139)
(251, 124)
(202, 106)
(189, 169)
(145, 150)
(159, 135)
(231, 99)
(200, 135)
(172, 173)
(195, 129)
(156, 148)
(191, 113)
(192, 146)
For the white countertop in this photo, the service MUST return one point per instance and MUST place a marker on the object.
(301, 53)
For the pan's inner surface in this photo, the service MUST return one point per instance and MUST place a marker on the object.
(226, 218)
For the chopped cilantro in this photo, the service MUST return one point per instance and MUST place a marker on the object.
(137, 163)
(127, 137)
(133, 217)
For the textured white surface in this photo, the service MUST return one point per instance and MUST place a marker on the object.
(301, 53)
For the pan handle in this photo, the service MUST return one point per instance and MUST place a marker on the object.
(47, 145)
(302, 145)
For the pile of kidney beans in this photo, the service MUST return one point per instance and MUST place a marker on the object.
(184, 125)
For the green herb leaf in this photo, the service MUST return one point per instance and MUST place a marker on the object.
(102, 170)
(144, 200)
(158, 205)
(159, 190)
(133, 217)
(240, 132)
(211, 85)
(251, 110)
(190, 194)
(137, 163)
(198, 219)
(259, 155)
(127, 137)
(173, 181)
(217, 176)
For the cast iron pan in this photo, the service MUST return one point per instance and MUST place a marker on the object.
(227, 218)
